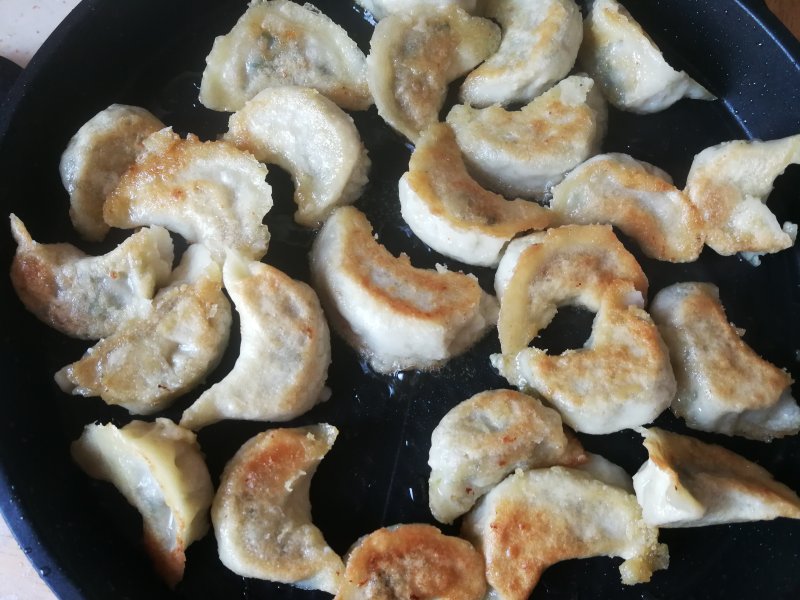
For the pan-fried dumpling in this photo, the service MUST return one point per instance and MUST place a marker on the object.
(539, 45)
(89, 297)
(398, 316)
(262, 512)
(284, 354)
(448, 210)
(160, 470)
(150, 361)
(278, 43)
(95, 158)
(208, 192)
(688, 483)
(412, 561)
(570, 265)
(413, 56)
(723, 385)
(483, 439)
(306, 134)
(636, 197)
(621, 378)
(537, 518)
(524, 152)
(628, 65)
(730, 183)
(510, 258)
(384, 8)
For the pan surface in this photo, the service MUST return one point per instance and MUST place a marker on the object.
(84, 538)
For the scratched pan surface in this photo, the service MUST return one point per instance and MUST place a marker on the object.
(83, 537)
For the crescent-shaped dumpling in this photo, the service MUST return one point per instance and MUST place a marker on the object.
(636, 197)
(486, 437)
(539, 45)
(383, 8)
(537, 518)
(413, 56)
(511, 255)
(448, 210)
(208, 192)
(723, 385)
(90, 297)
(150, 361)
(95, 158)
(262, 512)
(570, 265)
(524, 152)
(284, 355)
(412, 561)
(729, 184)
(160, 470)
(622, 377)
(306, 134)
(688, 483)
(278, 43)
(628, 65)
(398, 316)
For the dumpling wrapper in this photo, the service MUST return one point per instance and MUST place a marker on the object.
(628, 65)
(412, 561)
(539, 45)
(284, 354)
(723, 385)
(729, 184)
(150, 361)
(262, 512)
(96, 157)
(90, 297)
(570, 265)
(383, 8)
(636, 197)
(486, 437)
(688, 483)
(524, 152)
(277, 43)
(161, 471)
(413, 56)
(306, 134)
(537, 518)
(399, 317)
(448, 210)
(209, 192)
(621, 378)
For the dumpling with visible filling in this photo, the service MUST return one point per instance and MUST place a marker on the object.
(537, 518)
(448, 210)
(306, 134)
(621, 378)
(539, 45)
(384, 8)
(524, 152)
(279, 42)
(160, 470)
(486, 437)
(262, 512)
(628, 65)
(96, 157)
(688, 483)
(398, 316)
(150, 361)
(412, 561)
(208, 192)
(284, 354)
(636, 197)
(729, 184)
(570, 265)
(723, 385)
(90, 297)
(413, 56)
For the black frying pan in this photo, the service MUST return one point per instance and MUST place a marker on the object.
(83, 537)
